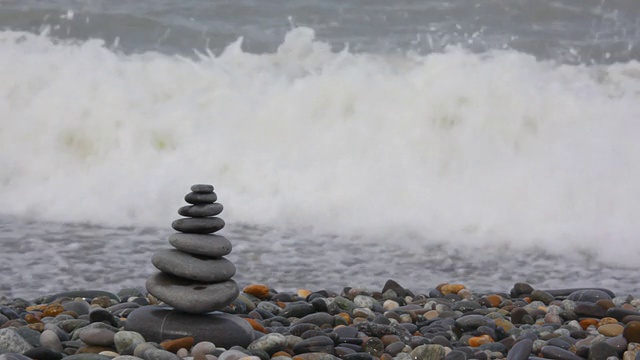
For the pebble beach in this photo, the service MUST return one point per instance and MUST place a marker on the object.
(448, 321)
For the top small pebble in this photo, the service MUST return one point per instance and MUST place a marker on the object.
(202, 188)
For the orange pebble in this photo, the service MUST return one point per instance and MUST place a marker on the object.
(53, 310)
(451, 288)
(256, 325)
(281, 304)
(281, 353)
(36, 308)
(480, 340)
(346, 317)
(177, 344)
(607, 320)
(31, 319)
(494, 300)
(39, 327)
(585, 323)
(260, 291)
(303, 293)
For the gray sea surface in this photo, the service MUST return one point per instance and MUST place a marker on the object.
(572, 31)
(42, 258)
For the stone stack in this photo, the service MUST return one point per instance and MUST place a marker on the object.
(195, 277)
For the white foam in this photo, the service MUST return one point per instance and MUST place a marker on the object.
(495, 148)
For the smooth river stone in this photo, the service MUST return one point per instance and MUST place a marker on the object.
(201, 244)
(191, 296)
(205, 225)
(199, 199)
(588, 295)
(201, 210)
(156, 323)
(193, 267)
(202, 188)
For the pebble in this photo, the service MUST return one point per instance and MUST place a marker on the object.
(206, 225)
(285, 325)
(203, 210)
(197, 268)
(201, 244)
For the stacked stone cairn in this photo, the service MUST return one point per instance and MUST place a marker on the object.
(195, 277)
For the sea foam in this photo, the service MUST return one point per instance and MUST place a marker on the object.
(467, 149)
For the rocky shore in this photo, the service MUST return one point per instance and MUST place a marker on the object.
(448, 322)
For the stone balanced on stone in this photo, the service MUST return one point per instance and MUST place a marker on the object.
(195, 277)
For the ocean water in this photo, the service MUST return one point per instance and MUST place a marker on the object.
(482, 142)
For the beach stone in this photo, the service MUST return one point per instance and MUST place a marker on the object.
(102, 315)
(318, 319)
(97, 336)
(206, 225)
(611, 330)
(540, 295)
(191, 296)
(632, 332)
(588, 310)
(200, 198)
(472, 322)
(297, 310)
(13, 356)
(158, 354)
(397, 288)
(270, 343)
(202, 188)
(552, 352)
(456, 355)
(125, 339)
(42, 353)
(193, 267)
(87, 357)
(198, 211)
(323, 344)
(520, 350)
(201, 244)
(50, 340)
(521, 289)
(173, 345)
(588, 295)
(601, 350)
(428, 352)
(157, 323)
(203, 348)
(11, 341)
(80, 307)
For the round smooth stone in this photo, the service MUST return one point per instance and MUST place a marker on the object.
(198, 198)
(201, 244)
(193, 267)
(156, 323)
(205, 225)
(202, 188)
(191, 296)
(201, 210)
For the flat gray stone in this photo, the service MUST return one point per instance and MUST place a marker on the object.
(201, 244)
(205, 225)
(202, 188)
(193, 267)
(201, 210)
(198, 198)
(191, 296)
(157, 323)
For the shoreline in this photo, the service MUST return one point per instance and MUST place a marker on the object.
(448, 321)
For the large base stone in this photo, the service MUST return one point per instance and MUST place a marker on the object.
(158, 323)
